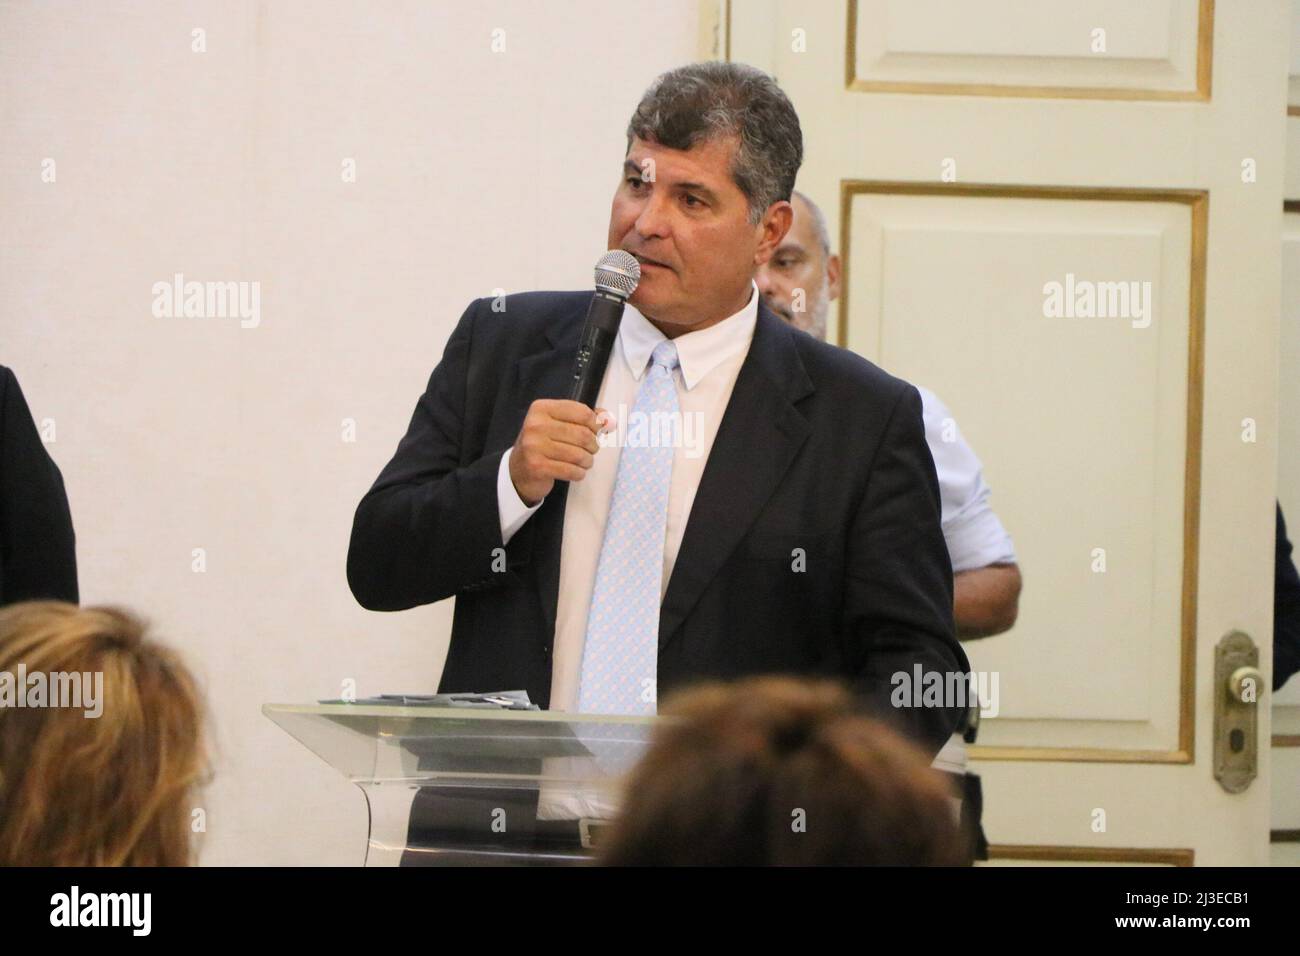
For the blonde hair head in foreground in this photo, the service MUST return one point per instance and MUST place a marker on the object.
(110, 790)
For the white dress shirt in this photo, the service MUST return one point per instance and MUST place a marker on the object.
(710, 360)
(972, 531)
(974, 535)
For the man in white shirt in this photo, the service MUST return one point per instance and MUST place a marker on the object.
(986, 577)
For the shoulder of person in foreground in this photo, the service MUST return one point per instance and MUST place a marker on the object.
(37, 540)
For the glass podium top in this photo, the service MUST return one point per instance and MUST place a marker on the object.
(382, 743)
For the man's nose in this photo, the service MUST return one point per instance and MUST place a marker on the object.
(762, 281)
(652, 222)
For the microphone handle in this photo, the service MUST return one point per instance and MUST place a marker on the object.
(598, 334)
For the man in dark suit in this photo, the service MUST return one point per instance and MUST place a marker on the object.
(38, 558)
(798, 534)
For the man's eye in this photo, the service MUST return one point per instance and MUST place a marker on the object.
(693, 202)
(635, 182)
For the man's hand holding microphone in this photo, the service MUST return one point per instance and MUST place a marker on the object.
(558, 442)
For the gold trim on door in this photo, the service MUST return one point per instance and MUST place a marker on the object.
(1204, 60)
(1091, 854)
(1198, 202)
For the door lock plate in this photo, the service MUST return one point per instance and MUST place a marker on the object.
(1238, 685)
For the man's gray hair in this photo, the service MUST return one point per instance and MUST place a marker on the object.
(708, 101)
(822, 233)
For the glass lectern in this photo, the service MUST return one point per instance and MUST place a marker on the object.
(451, 786)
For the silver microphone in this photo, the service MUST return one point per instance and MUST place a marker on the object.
(617, 275)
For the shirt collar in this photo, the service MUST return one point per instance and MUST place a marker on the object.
(698, 353)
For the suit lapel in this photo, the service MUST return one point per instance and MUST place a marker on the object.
(760, 433)
(548, 374)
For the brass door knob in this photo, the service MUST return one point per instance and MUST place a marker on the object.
(1245, 684)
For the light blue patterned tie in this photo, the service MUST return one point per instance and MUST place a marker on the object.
(620, 660)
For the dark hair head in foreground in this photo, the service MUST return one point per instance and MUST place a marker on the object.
(112, 789)
(774, 771)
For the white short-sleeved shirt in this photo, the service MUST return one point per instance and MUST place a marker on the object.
(974, 535)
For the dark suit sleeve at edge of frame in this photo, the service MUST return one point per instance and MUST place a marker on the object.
(38, 553)
(429, 526)
(1286, 608)
(898, 605)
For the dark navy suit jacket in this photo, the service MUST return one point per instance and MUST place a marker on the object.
(818, 449)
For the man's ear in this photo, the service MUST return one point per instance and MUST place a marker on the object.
(833, 278)
(776, 223)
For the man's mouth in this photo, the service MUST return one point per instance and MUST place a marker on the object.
(649, 262)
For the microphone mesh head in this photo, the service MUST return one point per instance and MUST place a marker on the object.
(618, 272)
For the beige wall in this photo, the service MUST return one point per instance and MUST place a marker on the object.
(475, 171)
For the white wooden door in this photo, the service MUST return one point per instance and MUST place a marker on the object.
(1063, 218)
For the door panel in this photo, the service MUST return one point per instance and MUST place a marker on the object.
(980, 165)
